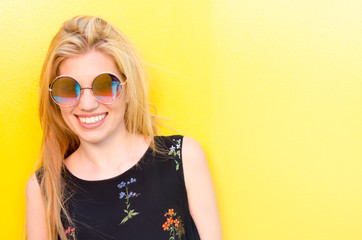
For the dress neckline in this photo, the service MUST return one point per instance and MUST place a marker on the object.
(111, 179)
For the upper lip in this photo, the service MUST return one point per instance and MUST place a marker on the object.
(89, 115)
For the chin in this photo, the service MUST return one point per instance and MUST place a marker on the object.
(91, 138)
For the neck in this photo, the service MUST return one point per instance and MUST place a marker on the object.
(117, 154)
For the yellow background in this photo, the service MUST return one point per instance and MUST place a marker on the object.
(271, 89)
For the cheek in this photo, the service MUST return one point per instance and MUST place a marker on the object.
(67, 117)
(118, 108)
(120, 111)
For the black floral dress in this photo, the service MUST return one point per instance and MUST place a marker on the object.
(148, 201)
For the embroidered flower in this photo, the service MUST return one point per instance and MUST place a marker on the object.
(170, 212)
(174, 226)
(178, 143)
(70, 233)
(121, 195)
(127, 195)
(121, 185)
(176, 151)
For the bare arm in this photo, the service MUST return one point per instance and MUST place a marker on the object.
(35, 212)
(200, 191)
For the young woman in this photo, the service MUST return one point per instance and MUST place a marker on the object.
(104, 174)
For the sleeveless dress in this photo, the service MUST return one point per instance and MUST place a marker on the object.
(148, 201)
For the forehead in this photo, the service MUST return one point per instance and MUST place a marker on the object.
(87, 66)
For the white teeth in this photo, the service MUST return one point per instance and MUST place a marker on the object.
(92, 119)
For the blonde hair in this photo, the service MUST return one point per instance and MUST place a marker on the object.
(77, 36)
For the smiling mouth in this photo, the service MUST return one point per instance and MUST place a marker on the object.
(93, 119)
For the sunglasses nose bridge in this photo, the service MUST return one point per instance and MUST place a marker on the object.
(86, 88)
(87, 101)
(81, 91)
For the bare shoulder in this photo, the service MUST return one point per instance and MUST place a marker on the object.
(194, 162)
(35, 213)
(193, 153)
(200, 190)
(195, 166)
(32, 188)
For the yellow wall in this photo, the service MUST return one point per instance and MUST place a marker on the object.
(271, 89)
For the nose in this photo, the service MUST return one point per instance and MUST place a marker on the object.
(87, 101)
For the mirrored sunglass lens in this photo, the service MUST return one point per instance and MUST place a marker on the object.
(106, 87)
(65, 91)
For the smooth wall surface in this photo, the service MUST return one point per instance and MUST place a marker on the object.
(271, 89)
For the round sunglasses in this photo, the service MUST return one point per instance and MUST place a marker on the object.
(106, 87)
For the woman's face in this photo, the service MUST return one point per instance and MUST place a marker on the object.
(105, 121)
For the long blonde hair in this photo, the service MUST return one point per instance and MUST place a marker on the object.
(77, 36)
